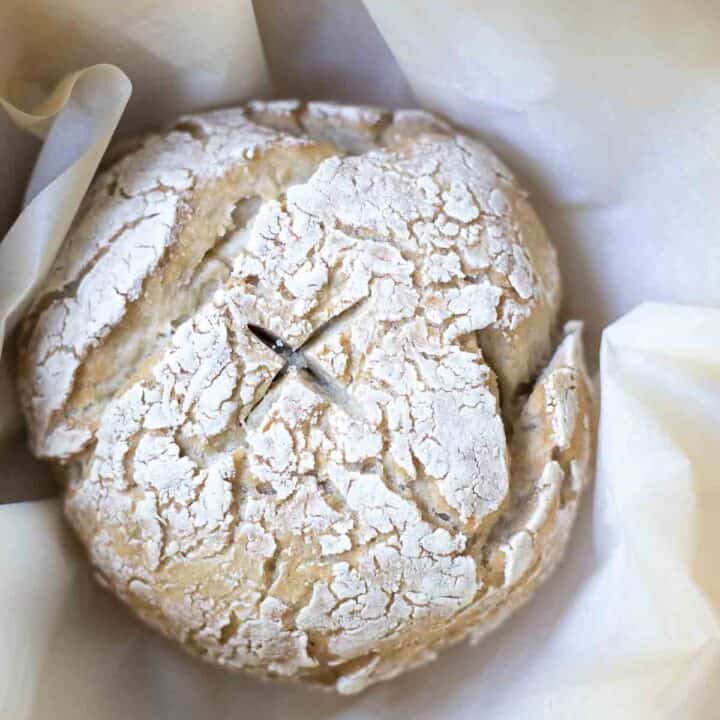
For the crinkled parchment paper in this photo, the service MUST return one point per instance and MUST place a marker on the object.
(609, 114)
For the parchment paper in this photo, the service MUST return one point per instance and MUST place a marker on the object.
(609, 117)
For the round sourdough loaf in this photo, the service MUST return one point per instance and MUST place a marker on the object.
(299, 366)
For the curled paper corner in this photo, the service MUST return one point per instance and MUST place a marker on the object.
(38, 119)
(78, 119)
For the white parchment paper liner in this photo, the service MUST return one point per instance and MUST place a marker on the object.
(610, 119)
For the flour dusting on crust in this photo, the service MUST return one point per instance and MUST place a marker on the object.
(406, 483)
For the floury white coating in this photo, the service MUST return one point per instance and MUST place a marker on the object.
(341, 532)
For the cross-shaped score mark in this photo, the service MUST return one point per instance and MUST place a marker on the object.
(323, 381)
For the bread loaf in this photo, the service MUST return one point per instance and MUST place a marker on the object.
(299, 365)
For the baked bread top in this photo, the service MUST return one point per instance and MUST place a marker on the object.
(298, 362)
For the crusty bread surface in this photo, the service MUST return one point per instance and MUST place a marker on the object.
(340, 519)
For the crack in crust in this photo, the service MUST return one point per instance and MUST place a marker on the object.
(336, 536)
